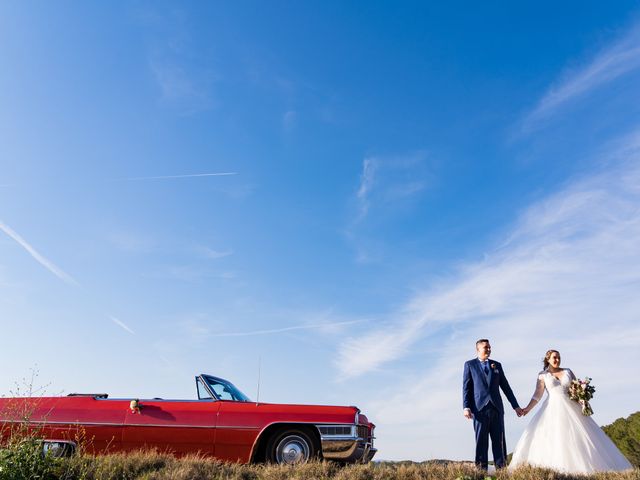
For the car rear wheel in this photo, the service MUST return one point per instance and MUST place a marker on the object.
(58, 449)
(290, 447)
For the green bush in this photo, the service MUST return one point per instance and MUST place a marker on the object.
(24, 460)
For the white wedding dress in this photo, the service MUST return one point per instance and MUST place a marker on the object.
(560, 437)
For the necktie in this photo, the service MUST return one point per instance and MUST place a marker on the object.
(485, 367)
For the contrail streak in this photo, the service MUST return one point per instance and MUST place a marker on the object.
(166, 177)
(122, 325)
(285, 329)
(58, 272)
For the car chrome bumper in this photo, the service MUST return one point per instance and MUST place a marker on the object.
(347, 450)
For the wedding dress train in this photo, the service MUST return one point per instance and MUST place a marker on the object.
(560, 437)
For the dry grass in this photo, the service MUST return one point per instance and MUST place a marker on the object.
(156, 466)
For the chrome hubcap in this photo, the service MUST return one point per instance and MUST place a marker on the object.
(292, 449)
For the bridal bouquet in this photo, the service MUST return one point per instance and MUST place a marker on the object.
(582, 391)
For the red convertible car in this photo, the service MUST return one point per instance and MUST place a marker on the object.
(222, 423)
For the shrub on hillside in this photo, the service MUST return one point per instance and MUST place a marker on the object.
(625, 433)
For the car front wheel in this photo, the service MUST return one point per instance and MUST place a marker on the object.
(290, 447)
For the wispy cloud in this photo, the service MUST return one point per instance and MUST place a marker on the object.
(46, 263)
(131, 242)
(185, 79)
(181, 87)
(613, 62)
(573, 257)
(170, 177)
(566, 276)
(189, 273)
(122, 325)
(212, 254)
(385, 181)
(425, 403)
(388, 185)
(367, 179)
(289, 120)
(319, 326)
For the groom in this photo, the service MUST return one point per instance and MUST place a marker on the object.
(481, 384)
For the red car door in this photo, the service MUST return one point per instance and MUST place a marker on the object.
(173, 426)
(98, 423)
(239, 424)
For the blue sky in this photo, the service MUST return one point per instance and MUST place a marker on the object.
(347, 195)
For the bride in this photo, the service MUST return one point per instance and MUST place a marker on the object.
(559, 436)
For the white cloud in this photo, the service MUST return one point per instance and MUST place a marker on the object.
(289, 120)
(425, 404)
(191, 273)
(46, 263)
(131, 242)
(386, 181)
(388, 186)
(367, 178)
(610, 64)
(567, 276)
(580, 245)
(212, 254)
(187, 88)
(185, 79)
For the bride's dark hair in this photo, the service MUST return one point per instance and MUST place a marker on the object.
(545, 360)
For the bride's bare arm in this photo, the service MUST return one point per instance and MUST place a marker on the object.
(537, 395)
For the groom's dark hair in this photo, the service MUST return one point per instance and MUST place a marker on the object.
(482, 340)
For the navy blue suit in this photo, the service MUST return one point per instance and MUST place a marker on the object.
(481, 394)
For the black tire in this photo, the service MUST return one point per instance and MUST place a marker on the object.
(291, 446)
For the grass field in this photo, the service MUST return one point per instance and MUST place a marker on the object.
(156, 466)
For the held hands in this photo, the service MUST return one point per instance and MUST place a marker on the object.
(521, 412)
(529, 407)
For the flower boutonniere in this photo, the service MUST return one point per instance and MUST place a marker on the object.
(494, 367)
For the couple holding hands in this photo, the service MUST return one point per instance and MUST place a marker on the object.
(559, 436)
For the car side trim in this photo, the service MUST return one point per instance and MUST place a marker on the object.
(109, 424)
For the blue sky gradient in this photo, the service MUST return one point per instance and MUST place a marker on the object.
(345, 194)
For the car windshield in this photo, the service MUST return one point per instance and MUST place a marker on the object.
(225, 390)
